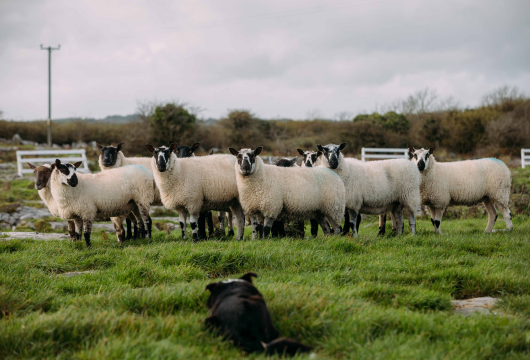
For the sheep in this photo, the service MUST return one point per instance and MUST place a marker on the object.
(196, 184)
(114, 193)
(184, 151)
(42, 184)
(376, 187)
(111, 158)
(468, 183)
(272, 192)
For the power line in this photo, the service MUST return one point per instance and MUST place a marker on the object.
(50, 49)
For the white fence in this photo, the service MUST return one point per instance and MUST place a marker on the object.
(57, 154)
(525, 157)
(375, 153)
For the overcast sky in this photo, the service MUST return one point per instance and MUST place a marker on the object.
(276, 58)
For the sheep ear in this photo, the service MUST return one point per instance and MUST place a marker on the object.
(319, 153)
(31, 166)
(57, 162)
(411, 149)
(258, 150)
(248, 276)
(195, 147)
(52, 166)
(431, 150)
(234, 151)
(120, 145)
(319, 147)
(150, 148)
(171, 142)
(99, 147)
(300, 151)
(211, 152)
(342, 146)
(78, 164)
(172, 147)
(210, 287)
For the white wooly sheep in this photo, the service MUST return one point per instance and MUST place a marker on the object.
(196, 184)
(114, 193)
(376, 187)
(270, 192)
(42, 184)
(468, 183)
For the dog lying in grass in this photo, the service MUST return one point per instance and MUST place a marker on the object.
(238, 311)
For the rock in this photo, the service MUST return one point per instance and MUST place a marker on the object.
(16, 139)
(32, 235)
(481, 305)
(79, 145)
(55, 146)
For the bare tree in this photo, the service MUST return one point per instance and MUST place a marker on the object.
(314, 114)
(503, 94)
(343, 116)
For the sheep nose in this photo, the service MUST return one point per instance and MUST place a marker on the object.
(421, 165)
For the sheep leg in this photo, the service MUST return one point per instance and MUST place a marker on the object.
(412, 220)
(314, 227)
(492, 214)
(382, 224)
(221, 217)
(397, 212)
(240, 217)
(201, 226)
(346, 229)
(337, 230)
(182, 222)
(230, 224)
(268, 225)
(78, 228)
(71, 230)
(144, 220)
(300, 229)
(255, 231)
(193, 222)
(432, 212)
(506, 214)
(353, 222)
(129, 229)
(118, 226)
(275, 231)
(359, 218)
(394, 226)
(323, 223)
(209, 221)
(88, 231)
(438, 221)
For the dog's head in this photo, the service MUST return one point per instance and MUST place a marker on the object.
(218, 289)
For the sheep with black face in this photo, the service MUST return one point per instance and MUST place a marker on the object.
(471, 182)
(376, 187)
(114, 193)
(196, 184)
(270, 192)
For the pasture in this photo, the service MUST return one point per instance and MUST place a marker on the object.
(366, 298)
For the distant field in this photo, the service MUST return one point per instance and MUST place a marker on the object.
(367, 298)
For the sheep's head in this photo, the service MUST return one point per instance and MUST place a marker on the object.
(421, 157)
(67, 172)
(109, 154)
(184, 151)
(42, 174)
(162, 155)
(332, 154)
(246, 158)
(310, 157)
(287, 163)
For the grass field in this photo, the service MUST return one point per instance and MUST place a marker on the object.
(368, 298)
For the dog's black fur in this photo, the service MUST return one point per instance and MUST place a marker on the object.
(238, 311)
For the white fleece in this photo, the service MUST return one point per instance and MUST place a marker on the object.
(289, 193)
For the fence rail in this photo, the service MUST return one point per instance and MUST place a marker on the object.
(58, 154)
(390, 153)
(525, 157)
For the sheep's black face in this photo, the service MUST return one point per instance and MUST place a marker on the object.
(246, 158)
(184, 151)
(310, 157)
(332, 153)
(162, 155)
(287, 162)
(420, 157)
(67, 173)
(109, 154)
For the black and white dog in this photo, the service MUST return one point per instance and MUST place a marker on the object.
(238, 311)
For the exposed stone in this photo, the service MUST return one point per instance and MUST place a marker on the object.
(75, 273)
(481, 305)
(32, 235)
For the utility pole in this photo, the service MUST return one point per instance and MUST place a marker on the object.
(50, 49)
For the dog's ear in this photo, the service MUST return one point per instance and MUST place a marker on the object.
(211, 286)
(300, 151)
(248, 276)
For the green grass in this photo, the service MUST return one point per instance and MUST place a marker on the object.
(368, 298)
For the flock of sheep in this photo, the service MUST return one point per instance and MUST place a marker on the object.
(325, 189)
